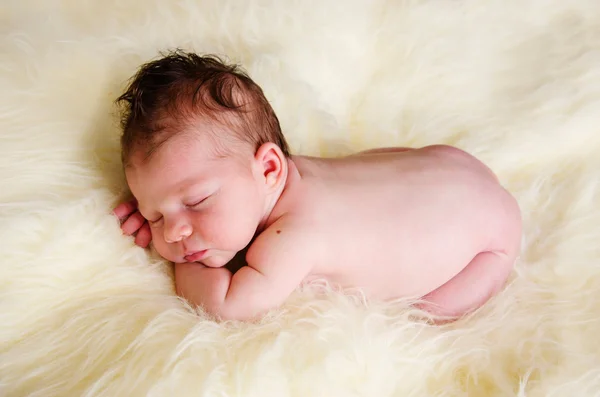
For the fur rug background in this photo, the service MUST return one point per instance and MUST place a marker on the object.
(83, 312)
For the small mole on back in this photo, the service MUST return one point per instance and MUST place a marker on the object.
(278, 231)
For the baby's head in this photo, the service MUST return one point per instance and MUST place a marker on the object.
(204, 156)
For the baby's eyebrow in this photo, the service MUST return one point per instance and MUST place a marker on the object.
(193, 190)
(193, 194)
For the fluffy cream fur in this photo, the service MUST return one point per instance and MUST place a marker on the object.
(517, 83)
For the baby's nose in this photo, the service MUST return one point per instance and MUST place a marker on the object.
(177, 233)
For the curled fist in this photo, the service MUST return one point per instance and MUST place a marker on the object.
(133, 223)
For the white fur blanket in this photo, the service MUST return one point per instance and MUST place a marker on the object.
(517, 83)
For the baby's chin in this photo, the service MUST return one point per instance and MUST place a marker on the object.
(218, 260)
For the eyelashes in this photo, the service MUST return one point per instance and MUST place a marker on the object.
(197, 203)
(194, 205)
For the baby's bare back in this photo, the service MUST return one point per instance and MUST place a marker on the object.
(396, 223)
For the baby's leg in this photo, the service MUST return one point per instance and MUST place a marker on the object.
(483, 277)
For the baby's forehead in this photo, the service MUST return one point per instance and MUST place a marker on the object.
(194, 146)
(197, 146)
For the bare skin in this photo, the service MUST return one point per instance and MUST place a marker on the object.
(430, 223)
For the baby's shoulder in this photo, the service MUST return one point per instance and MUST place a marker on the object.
(283, 241)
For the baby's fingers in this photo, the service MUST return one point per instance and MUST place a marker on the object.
(144, 236)
(133, 223)
(125, 209)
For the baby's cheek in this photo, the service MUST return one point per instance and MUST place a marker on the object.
(210, 230)
(160, 245)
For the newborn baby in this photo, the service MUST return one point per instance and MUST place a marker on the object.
(212, 176)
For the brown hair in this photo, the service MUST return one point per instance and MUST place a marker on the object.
(171, 92)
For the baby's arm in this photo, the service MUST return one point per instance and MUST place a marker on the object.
(272, 274)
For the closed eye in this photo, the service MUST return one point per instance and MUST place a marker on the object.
(197, 203)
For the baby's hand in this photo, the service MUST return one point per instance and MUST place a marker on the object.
(133, 222)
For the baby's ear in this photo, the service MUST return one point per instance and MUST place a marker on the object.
(271, 163)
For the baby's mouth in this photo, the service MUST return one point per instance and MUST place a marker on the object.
(195, 256)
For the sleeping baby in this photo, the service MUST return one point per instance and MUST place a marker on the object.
(213, 178)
